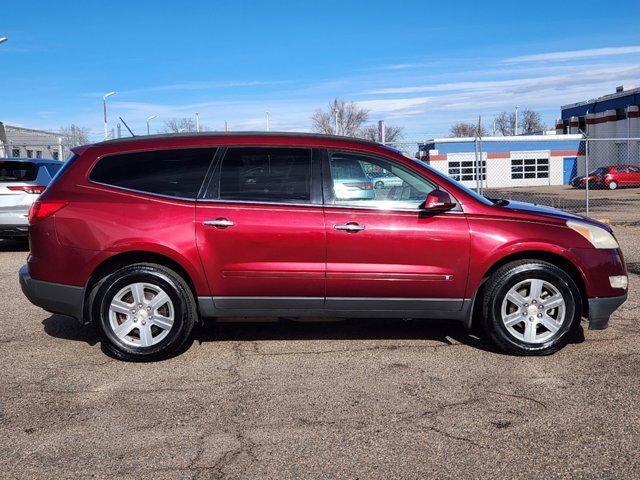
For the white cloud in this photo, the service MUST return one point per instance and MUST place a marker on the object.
(574, 54)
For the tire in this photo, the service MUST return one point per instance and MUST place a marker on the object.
(378, 185)
(520, 328)
(613, 185)
(153, 328)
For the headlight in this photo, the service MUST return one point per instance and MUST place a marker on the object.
(598, 237)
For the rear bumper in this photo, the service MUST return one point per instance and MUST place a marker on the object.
(53, 297)
(600, 309)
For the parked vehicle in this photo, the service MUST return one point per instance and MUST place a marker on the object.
(385, 180)
(350, 180)
(144, 237)
(610, 177)
(21, 181)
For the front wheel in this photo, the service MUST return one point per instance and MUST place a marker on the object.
(531, 307)
(613, 185)
(143, 312)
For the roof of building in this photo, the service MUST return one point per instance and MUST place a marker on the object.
(611, 101)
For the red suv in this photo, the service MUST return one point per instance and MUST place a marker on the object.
(144, 237)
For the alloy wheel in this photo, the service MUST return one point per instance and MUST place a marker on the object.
(141, 314)
(533, 311)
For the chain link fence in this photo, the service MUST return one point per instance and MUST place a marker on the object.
(548, 170)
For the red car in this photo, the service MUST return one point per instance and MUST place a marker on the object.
(144, 237)
(610, 177)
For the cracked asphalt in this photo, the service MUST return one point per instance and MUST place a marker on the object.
(352, 399)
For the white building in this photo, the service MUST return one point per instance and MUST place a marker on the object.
(30, 143)
(503, 162)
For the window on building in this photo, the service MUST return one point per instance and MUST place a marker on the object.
(582, 124)
(266, 174)
(175, 173)
(621, 113)
(529, 168)
(38, 153)
(467, 170)
(15, 152)
(55, 155)
(29, 153)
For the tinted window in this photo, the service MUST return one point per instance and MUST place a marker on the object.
(18, 172)
(177, 173)
(266, 174)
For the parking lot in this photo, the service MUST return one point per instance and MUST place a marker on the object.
(352, 399)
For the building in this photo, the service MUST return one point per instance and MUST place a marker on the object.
(615, 117)
(503, 162)
(30, 143)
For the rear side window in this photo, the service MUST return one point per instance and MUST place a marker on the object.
(266, 174)
(18, 172)
(176, 173)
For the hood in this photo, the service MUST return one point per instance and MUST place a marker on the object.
(547, 213)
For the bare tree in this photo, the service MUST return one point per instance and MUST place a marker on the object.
(530, 122)
(392, 133)
(465, 129)
(74, 135)
(341, 118)
(178, 125)
(506, 123)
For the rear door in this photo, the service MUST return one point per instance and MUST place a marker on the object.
(381, 253)
(260, 229)
(634, 175)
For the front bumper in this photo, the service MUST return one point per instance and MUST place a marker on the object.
(600, 309)
(53, 297)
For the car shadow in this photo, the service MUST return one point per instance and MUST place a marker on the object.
(441, 331)
(14, 245)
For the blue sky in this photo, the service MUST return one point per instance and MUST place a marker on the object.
(419, 64)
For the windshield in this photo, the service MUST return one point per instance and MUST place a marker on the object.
(468, 191)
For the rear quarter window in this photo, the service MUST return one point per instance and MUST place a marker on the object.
(175, 173)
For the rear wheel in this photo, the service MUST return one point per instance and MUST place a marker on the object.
(531, 307)
(613, 185)
(143, 312)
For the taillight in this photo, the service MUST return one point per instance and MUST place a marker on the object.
(43, 209)
(35, 189)
(360, 185)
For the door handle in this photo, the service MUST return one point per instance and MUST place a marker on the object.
(219, 223)
(351, 227)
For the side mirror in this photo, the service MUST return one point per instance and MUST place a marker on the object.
(438, 201)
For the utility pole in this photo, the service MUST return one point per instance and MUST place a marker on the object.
(104, 109)
(197, 122)
(382, 132)
(148, 120)
(515, 130)
(226, 126)
(266, 115)
(336, 113)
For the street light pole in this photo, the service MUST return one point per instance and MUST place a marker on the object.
(104, 108)
(148, 120)
(337, 114)
(197, 122)
(266, 116)
(515, 130)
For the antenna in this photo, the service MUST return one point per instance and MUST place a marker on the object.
(125, 124)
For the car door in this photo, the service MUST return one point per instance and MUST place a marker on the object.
(381, 253)
(260, 229)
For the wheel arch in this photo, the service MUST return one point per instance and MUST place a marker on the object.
(544, 255)
(119, 260)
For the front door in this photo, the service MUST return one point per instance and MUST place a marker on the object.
(381, 254)
(260, 230)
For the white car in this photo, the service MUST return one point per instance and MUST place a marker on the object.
(22, 180)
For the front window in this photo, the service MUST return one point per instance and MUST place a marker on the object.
(366, 181)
